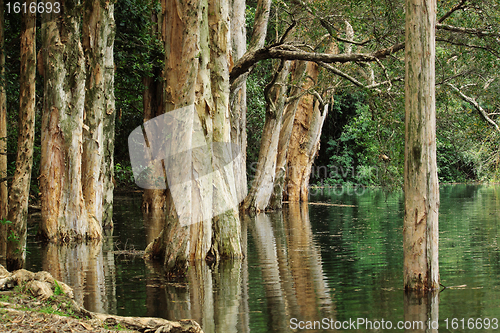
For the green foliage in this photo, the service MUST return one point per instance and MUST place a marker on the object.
(4, 221)
(256, 111)
(57, 289)
(138, 53)
(124, 175)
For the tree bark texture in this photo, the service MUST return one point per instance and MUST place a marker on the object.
(262, 186)
(238, 97)
(420, 232)
(298, 71)
(99, 118)
(64, 212)
(238, 103)
(19, 192)
(197, 47)
(3, 139)
(304, 142)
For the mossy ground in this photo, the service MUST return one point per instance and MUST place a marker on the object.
(21, 312)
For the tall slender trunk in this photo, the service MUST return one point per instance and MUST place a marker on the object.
(238, 98)
(64, 212)
(262, 186)
(304, 142)
(420, 231)
(99, 130)
(3, 139)
(276, 200)
(19, 192)
(197, 83)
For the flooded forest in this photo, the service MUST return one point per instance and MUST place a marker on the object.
(256, 166)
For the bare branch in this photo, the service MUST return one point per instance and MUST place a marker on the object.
(289, 52)
(476, 105)
(469, 31)
(452, 10)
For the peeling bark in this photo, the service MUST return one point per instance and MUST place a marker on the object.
(420, 231)
(3, 140)
(197, 47)
(64, 212)
(304, 142)
(98, 136)
(262, 186)
(19, 193)
(276, 200)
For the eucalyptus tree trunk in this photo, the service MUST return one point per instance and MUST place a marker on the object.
(238, 103)
(64, 212)
(238, 97)
(262, 186)
(420, 231)
(3, 139)
(304, 142)
(197, 47)
(99, 129)
(19, 191)
(276, 200)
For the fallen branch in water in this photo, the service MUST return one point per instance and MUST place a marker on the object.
(325, 204)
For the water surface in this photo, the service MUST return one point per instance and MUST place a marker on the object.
(305, 263)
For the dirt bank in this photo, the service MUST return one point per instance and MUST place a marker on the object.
(36, 302)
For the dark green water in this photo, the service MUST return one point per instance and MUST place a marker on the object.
(307, 263)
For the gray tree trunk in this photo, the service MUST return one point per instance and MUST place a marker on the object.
(420, 231)
(262, 186)
(98, 135)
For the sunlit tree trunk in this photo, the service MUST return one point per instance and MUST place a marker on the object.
(276, 200)
(99, 130)
(19, 191)
(3, 139)
(420, 232)
(238, 97)
(197, 49)
(304, 142)
(64, 213)
(262, 186)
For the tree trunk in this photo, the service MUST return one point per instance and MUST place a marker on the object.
(420, 232)
(19, 192)
(196, 35)
(3, 140)
(64, 213)
(238, 103)
(262, 186)
(276, 201)
(304, 142)
(99, 130)
(238, 98)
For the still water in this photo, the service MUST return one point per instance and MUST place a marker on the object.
(335, 262)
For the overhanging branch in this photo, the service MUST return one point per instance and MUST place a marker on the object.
(476, 105)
